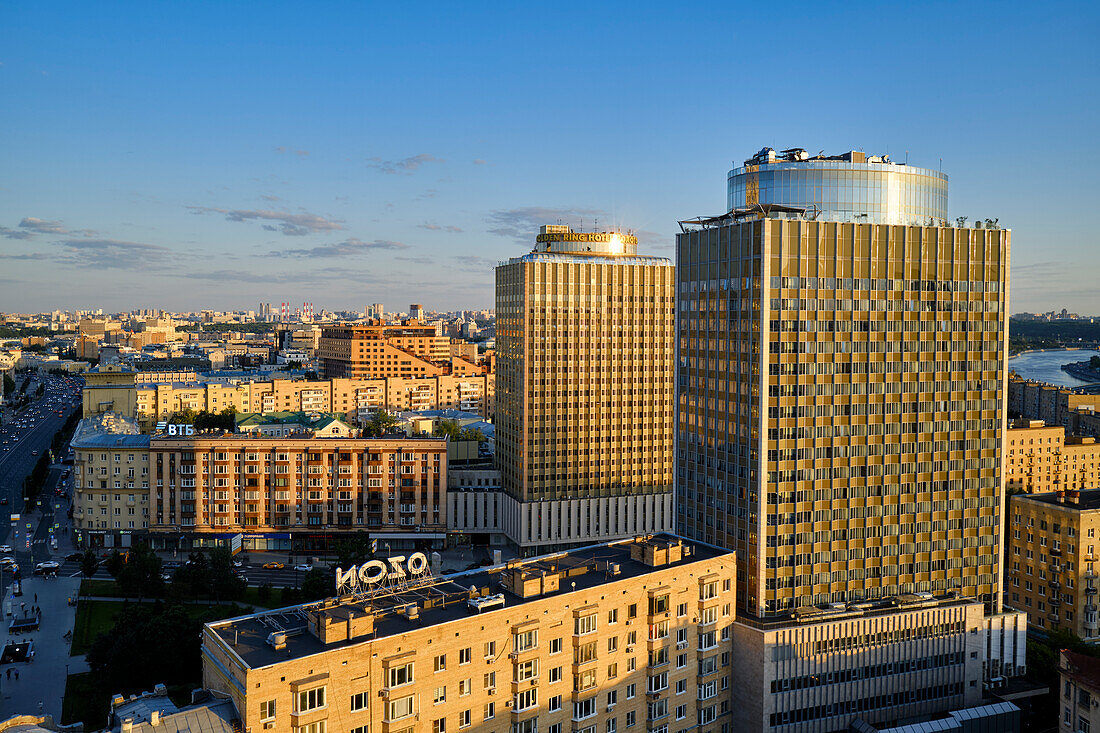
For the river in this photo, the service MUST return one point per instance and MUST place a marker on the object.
(1046, 366)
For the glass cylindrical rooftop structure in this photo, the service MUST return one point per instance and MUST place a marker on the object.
(852, 187)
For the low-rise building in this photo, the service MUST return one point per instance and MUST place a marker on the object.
(296, 493)
(1078, 693)
(630, 635)
(1052, 559)
(301, 424)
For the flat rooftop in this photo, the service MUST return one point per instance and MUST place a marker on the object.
(445, 598)
(1083, 501)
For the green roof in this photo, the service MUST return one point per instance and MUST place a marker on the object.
(314, 420)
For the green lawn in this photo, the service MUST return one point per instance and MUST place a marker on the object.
(92, 619)
(85, 702)
(100, 588)
(110, 589)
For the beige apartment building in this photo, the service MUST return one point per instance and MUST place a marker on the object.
(629, 636)
(1041, 458)
(110, 481)
(367, 351)
(153, 401)
(287, 493)
(584, 389)
(1051, 403)
(1052, 560)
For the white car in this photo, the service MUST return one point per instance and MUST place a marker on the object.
(6, 549)
(303, 568)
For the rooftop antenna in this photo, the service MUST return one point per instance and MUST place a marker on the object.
(907, 157)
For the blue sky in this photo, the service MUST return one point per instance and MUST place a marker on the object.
(191, 155)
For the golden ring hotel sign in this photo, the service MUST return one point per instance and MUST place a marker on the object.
(605, 237)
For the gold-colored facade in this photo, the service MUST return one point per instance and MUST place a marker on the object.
(631, 636)
(110, 489)
(584, 374)
(1041, 458)
(840, 407)
(1052, 561)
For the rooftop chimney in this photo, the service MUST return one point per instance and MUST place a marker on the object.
(154, 718)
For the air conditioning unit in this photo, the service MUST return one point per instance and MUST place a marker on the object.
(630, 650)
(491, 691)
(269, 725)
(681, 645)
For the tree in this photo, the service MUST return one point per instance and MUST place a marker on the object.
(183, 417)
(140, 575)
(318, 584)
(447, 429)
(1094, 362)
(88, 564)
(9, 384)
(354, 550)
(115, 563)
(380, 423)
(223, 582)
(472, 434)
(264, 593)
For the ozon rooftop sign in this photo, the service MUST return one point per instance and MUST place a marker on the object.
(393, 571)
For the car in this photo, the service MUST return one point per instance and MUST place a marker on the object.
(303, 568)
(3, 500)
(34, 453)
(166, 576)
(6, 549)
(238, 563)
(49, 567)
(7, 560)
(73, 556)
(273, 565)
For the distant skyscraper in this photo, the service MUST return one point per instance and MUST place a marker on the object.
(841, 393)
(416, 311)
(584, 389)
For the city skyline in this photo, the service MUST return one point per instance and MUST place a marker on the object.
(322, 173)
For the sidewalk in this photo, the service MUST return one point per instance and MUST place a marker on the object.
(42, 680)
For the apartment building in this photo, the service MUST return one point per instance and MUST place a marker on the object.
(1051, 403)
(1078, 693)
(614, 638)
(296, 493)
(1041, 458)
(1052, 559)
(584, 389)
(110, 481)
(367, 351)
(115, 390)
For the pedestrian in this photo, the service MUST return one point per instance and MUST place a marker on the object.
(17, 674)
(36, 598)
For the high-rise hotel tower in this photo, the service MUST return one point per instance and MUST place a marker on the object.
(841, 384)
(584, 389)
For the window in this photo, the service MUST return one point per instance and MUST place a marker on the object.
(465, 655)
(490, 649)
(311, 699)
(630, 719)
(401, 675)
(681, 687)
(555, 645)
(554, 728)
(555, 703)
(708, 590)
(612, 698)
(658, 604)
(527, 699)
(267, 710)
(657, 709)
(440, 694)
(359, 701)
(630, 691)
(490, 711)
(709, 640)
(318, 727)
(528, 670)
(439, 725)
(585, 653)
(611, 725)
(584, 708)
(612, 670)
(361, 729)
(490, 680)
(632, 610)
(441, 663)
(584, 624)
(402, 707)
(465, 686)
(464, 719)
(555, 674)
(525, 640)
(681, 712)
(681, 661)
(613, 616)
(612, 643)
(682, 610)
